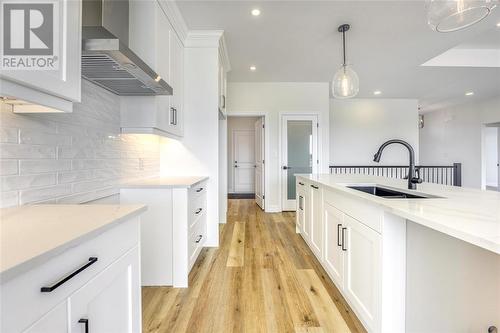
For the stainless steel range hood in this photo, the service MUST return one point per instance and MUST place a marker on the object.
(106, 59)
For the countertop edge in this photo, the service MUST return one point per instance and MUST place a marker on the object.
(455, 233)
(164, 186)
(25, 266)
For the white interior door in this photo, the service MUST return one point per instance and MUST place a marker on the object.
(299, 146)
(244, 161)
(259, 162)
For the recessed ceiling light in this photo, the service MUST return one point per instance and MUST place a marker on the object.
(256, 12)
(253, 68)
(377, 92)
(469, 93)
(498, 24)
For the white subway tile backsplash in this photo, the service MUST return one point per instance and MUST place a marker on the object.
(74, 157)
(11, 150)
(45, 193)
(38, 138)
(8, 167)
(9, 183)
(39, 166)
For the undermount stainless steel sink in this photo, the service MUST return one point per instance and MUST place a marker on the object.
(388, 193)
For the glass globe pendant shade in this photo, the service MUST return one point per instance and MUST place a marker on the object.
(345, 83)
(453, 15)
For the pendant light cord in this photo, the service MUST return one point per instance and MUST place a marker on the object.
(343, 42)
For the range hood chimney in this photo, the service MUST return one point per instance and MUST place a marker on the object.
(106, 58)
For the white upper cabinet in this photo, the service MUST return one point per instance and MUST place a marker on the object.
(154, 39)
(53, 88)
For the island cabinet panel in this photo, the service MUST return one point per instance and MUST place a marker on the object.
(362, 279)
(54, 321)
(301, 207)
(316, 235)
(333, 253)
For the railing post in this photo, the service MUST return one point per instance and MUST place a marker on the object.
(457, 174)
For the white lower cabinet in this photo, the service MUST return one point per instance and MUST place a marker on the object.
(362, 265)
(350, 250)
(173, 231)
(94, 283)
(333, 252)
(106, 302)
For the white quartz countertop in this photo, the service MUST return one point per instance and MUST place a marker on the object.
(468, 214)
(166, 182)
(30, 235)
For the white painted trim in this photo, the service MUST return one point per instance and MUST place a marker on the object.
(267, 155)
(203, 38)
(175, 17)
(223, 54)
(316, 166)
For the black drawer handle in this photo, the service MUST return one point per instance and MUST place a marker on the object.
(338, 234)
(302, 184)
(199, 238)
(92, 260)
(86, 323)
(198, 211)
(314, 187)
(199, 190)
(343, 240)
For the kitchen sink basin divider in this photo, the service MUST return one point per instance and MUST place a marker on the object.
(441, 174)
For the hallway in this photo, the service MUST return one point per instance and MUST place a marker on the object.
(262, 278)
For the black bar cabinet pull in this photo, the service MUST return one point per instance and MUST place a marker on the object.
(199, 190)
(343, 239)
(198, 211)
(86, 323)
(199, 238)
(338, 234)
(314, 187)
(92, 260)
(302, 184)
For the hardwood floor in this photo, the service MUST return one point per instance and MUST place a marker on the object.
(262, 278)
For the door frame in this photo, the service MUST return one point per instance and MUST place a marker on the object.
(314, 117)
(267, 155)
(233, 171)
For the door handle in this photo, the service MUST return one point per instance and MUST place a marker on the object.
(235, 166)
(343, 239)
(338, 234)
(286, 167)
(85, 321)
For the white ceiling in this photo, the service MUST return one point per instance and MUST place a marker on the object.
(297, 41)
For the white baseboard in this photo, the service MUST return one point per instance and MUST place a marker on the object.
(273, 209)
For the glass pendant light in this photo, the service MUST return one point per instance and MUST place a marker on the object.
(345, 82)
(453, 15)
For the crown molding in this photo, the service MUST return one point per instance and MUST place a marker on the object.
(223, 54)
(175, 17)
(203, 38)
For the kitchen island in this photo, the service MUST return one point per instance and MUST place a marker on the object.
(406, 264)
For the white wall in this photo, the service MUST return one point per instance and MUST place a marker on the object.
(359, 126)
(491, 155)
(197, 153)
(236, 123)
(73, 157)
(455, 135)
(273, 99)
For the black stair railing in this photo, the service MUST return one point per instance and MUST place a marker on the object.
(437, 174)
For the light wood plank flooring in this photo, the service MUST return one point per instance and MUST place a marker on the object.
(262, 278)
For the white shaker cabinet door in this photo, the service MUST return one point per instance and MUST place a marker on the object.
(55, 321)
(316, 236)
(110, 302)
(362, 285)
(333, 251)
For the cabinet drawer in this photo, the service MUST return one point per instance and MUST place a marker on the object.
(197, 190)
(22, 301)
(197, 208)
(196, 240)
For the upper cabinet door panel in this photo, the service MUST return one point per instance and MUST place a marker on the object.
(58, 54)
(142, 30)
